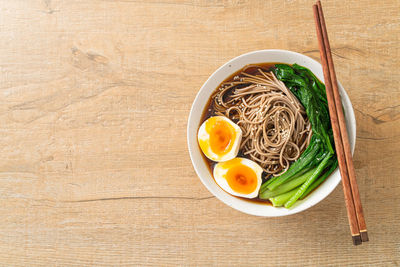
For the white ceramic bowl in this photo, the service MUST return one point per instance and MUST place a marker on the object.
(200, 102)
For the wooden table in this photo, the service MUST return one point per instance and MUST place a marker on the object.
(94, 101)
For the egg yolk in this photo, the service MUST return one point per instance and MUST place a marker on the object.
(222, 135)
(242, 179)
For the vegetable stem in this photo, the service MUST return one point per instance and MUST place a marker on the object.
(287, 186)
(283, 198)
(320, 180)
(309, 181)
(269, 181)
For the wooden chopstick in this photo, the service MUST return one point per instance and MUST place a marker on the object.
(343, 131)
(339, 126)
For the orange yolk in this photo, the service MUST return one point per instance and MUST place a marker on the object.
(222, 135)
(242, 179)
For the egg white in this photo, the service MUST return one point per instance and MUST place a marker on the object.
(220, 171)
(203, 135)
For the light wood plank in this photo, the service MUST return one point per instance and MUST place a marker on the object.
(94, 99)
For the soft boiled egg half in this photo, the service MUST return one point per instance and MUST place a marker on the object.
(219, 138)
(239, 177)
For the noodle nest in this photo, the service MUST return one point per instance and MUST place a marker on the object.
(275, 127)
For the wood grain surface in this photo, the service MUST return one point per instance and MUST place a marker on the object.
(94, 166)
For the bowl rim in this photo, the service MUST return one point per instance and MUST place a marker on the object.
(305, 204)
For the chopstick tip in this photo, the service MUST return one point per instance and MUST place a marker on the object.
(356, 240)
(364, 236)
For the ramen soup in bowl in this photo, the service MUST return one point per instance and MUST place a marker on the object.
(259, 133)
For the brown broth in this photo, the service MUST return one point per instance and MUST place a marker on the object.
(209, 112)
